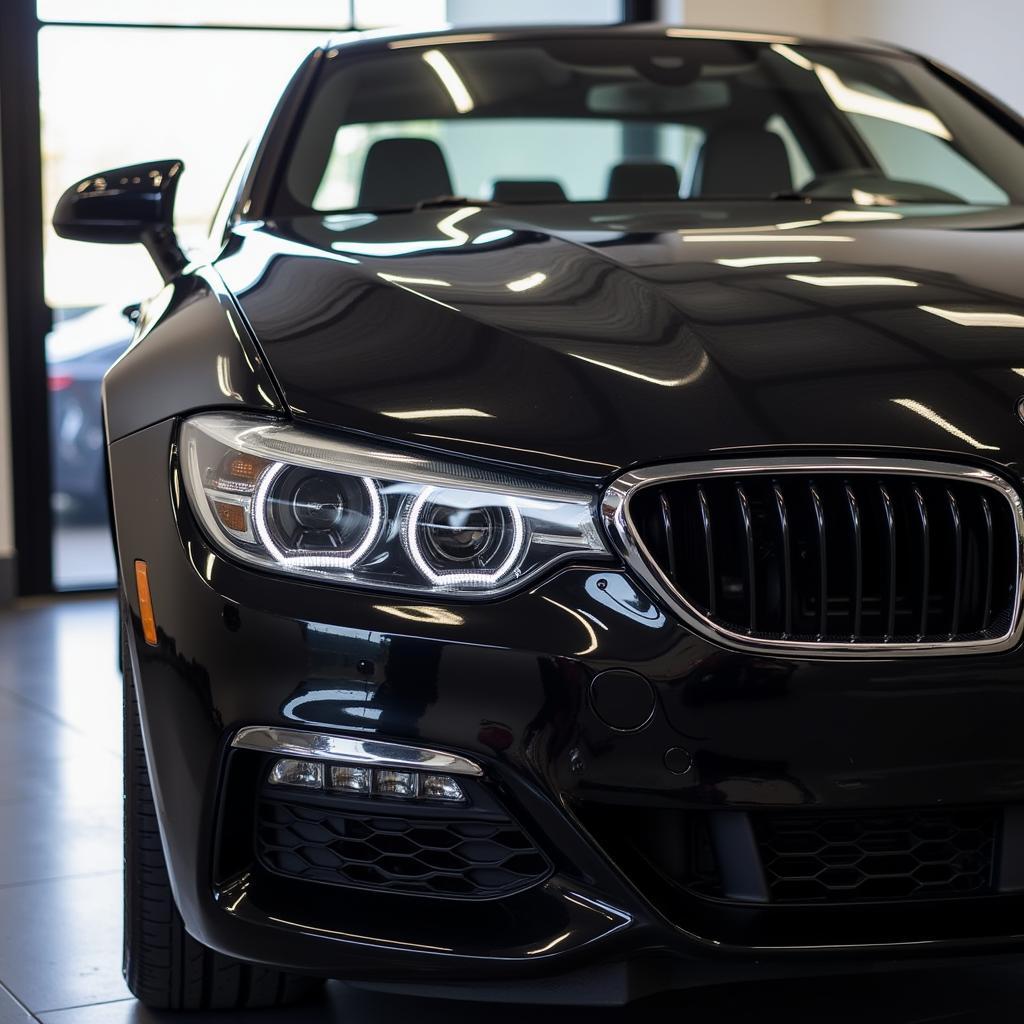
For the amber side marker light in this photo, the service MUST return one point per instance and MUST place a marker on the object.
(145, 602)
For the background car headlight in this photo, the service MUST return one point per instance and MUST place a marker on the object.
(313, 505)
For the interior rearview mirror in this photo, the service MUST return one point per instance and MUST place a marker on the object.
(126, 204)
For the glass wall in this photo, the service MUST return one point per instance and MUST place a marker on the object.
(143, 80)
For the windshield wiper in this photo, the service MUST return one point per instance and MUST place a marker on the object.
(769, 197)
(893, 199)
(427, 204)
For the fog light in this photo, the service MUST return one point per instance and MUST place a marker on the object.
(356, 779)
(388, 782)
(440, 787)
(350, 779)
(288, 772)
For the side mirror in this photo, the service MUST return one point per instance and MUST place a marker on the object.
(127, 204)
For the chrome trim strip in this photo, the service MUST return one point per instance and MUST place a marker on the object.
(327, 747)
(626, 540)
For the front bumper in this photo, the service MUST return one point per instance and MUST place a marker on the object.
(507, 685)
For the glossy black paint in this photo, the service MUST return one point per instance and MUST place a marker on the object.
(639, 345)
(653, 334)
(191, 351)
(236, 648)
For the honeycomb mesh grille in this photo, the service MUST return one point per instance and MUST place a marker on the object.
(469, 858)
(815, 858)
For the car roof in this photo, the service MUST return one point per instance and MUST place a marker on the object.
(447, 35)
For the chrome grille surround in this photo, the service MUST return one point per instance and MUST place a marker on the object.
(627, 541)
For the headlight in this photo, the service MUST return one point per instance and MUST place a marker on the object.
(310, 505)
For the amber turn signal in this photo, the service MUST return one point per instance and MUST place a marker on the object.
(232, 516)
(145, 602)
(240, 468)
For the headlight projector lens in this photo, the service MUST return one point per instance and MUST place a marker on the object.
(464, 538)
(318, 503)
(458, 536)
(317, 519)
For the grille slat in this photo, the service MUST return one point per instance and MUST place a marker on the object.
(926, 562)
(751, 566)
(837, 557)
(709, 542)
(858, 559)
(670, 539)
(890, 552)
(787, 563)
(819, 519)
(986, 511)
(958, 562)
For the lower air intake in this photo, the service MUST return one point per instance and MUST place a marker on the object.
(469, 858)
(810, 858)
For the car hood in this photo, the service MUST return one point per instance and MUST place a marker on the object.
(590, 338)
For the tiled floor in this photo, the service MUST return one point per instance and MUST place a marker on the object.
(60, 886)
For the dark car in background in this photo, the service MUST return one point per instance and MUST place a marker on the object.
(569, 524)
(79, 351)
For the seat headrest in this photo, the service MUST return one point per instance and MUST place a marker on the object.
(643, 181)
(521, 191)
(403, 172)
(742, 161)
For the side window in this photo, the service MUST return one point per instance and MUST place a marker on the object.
(909, 154)
(909, 141)
(218, 223)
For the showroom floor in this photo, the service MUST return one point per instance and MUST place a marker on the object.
(60, 884)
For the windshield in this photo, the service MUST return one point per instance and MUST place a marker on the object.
(641, 119)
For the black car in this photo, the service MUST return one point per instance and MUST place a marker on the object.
(570, 527)
(79, 352)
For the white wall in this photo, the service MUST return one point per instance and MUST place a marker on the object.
(6, 503)
(980, 39)
(806, 16)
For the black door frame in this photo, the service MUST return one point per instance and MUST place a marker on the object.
(639, 10)
(28, 317)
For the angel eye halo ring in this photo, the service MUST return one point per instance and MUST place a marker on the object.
(326, 559)
(415, 525)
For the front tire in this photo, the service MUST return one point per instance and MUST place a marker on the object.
(166, 968)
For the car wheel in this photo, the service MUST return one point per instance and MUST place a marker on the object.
(166, 968)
